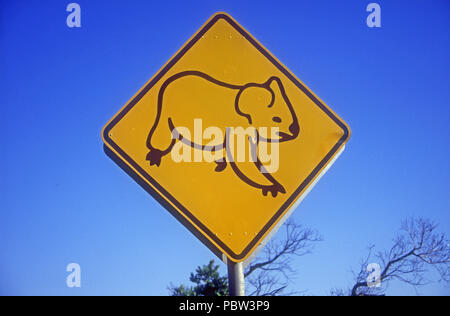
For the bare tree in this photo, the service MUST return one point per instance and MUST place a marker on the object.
(271, 272)
(416, 249)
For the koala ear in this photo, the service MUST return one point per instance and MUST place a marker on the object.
(273, 85)
(253, 98)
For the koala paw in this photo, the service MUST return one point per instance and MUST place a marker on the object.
(154, 156)
(274, 189)
(221, 165)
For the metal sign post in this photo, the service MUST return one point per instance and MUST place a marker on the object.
(236, 283)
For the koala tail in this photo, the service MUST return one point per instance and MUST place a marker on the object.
(154, 156)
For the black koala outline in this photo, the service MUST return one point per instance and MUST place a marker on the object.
(155, 155)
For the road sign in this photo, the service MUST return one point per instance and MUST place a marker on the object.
(226, 138)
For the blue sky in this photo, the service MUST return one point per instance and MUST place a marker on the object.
(63, 200)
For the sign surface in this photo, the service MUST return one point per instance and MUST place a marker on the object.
(178, 137)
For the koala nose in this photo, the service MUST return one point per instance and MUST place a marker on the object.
(294, 129)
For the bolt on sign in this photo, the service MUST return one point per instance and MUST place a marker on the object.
(226, 138)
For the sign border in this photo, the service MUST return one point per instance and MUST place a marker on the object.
(136, 172)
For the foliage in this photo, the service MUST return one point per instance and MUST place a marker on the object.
(207, 280)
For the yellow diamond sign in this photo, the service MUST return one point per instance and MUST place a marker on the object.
(226, 138)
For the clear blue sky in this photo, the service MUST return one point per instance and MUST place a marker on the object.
(63, 200)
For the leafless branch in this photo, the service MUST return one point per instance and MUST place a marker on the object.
(270, 273)
(416, 249)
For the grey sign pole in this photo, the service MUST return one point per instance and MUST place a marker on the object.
(236, 283)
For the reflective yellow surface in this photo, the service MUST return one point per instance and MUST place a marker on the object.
(237, 215)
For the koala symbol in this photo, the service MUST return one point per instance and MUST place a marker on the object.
(254, 104)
